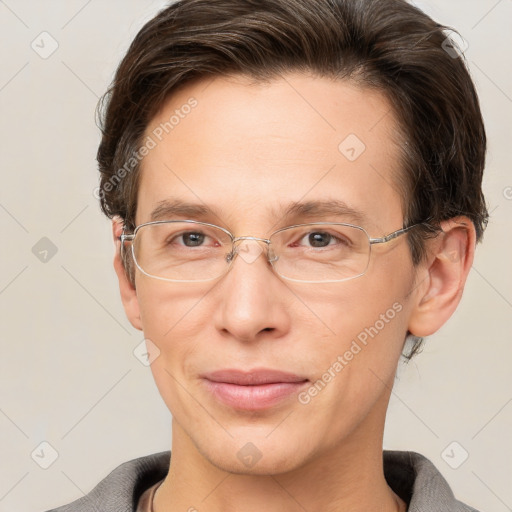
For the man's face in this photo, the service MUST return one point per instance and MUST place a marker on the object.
(248, 151)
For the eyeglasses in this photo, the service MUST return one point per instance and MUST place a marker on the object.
(191, 251)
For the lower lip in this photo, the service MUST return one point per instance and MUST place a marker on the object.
(253, 398)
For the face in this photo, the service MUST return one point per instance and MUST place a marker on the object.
(321, 358)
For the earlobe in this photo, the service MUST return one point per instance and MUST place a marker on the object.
(448, 265)
(126, 288)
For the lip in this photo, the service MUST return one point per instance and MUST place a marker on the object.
(253, 390)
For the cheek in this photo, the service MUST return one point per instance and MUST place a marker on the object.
(355, 367)
(373, 302)
(172, 318)
(367, 322)
(168, 309)
(365, 335)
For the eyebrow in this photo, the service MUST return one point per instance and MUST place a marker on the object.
(167, 209)
(333, 209)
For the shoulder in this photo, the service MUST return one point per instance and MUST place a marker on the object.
(418, 482)
(120, 490)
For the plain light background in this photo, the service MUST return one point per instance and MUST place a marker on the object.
(68, 373)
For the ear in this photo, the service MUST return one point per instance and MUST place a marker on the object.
(443, 276)
(128, 292)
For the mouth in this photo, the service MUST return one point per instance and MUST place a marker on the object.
(253, 390)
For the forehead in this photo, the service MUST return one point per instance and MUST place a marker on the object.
(248, 152)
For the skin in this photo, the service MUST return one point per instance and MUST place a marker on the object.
(245, 149)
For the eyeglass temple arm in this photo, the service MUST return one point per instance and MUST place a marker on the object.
(126, 237)
(391, 236)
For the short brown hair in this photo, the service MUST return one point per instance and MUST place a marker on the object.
(389, 45)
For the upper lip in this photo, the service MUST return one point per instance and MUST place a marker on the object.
(252, 377)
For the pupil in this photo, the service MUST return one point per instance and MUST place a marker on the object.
(319, 239)
(194, 238)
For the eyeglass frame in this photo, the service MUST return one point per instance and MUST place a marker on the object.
(130, 237)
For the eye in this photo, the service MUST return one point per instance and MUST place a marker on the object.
(190, 239)
(319, 239)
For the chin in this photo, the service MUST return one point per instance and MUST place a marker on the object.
(267, 465)
(260, 457)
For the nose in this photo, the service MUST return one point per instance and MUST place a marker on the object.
(251, 298)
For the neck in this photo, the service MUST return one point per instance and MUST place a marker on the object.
(347, 477)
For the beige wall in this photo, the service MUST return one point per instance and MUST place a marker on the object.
(68, 374)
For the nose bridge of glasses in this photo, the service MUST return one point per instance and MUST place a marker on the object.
(248, 248)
